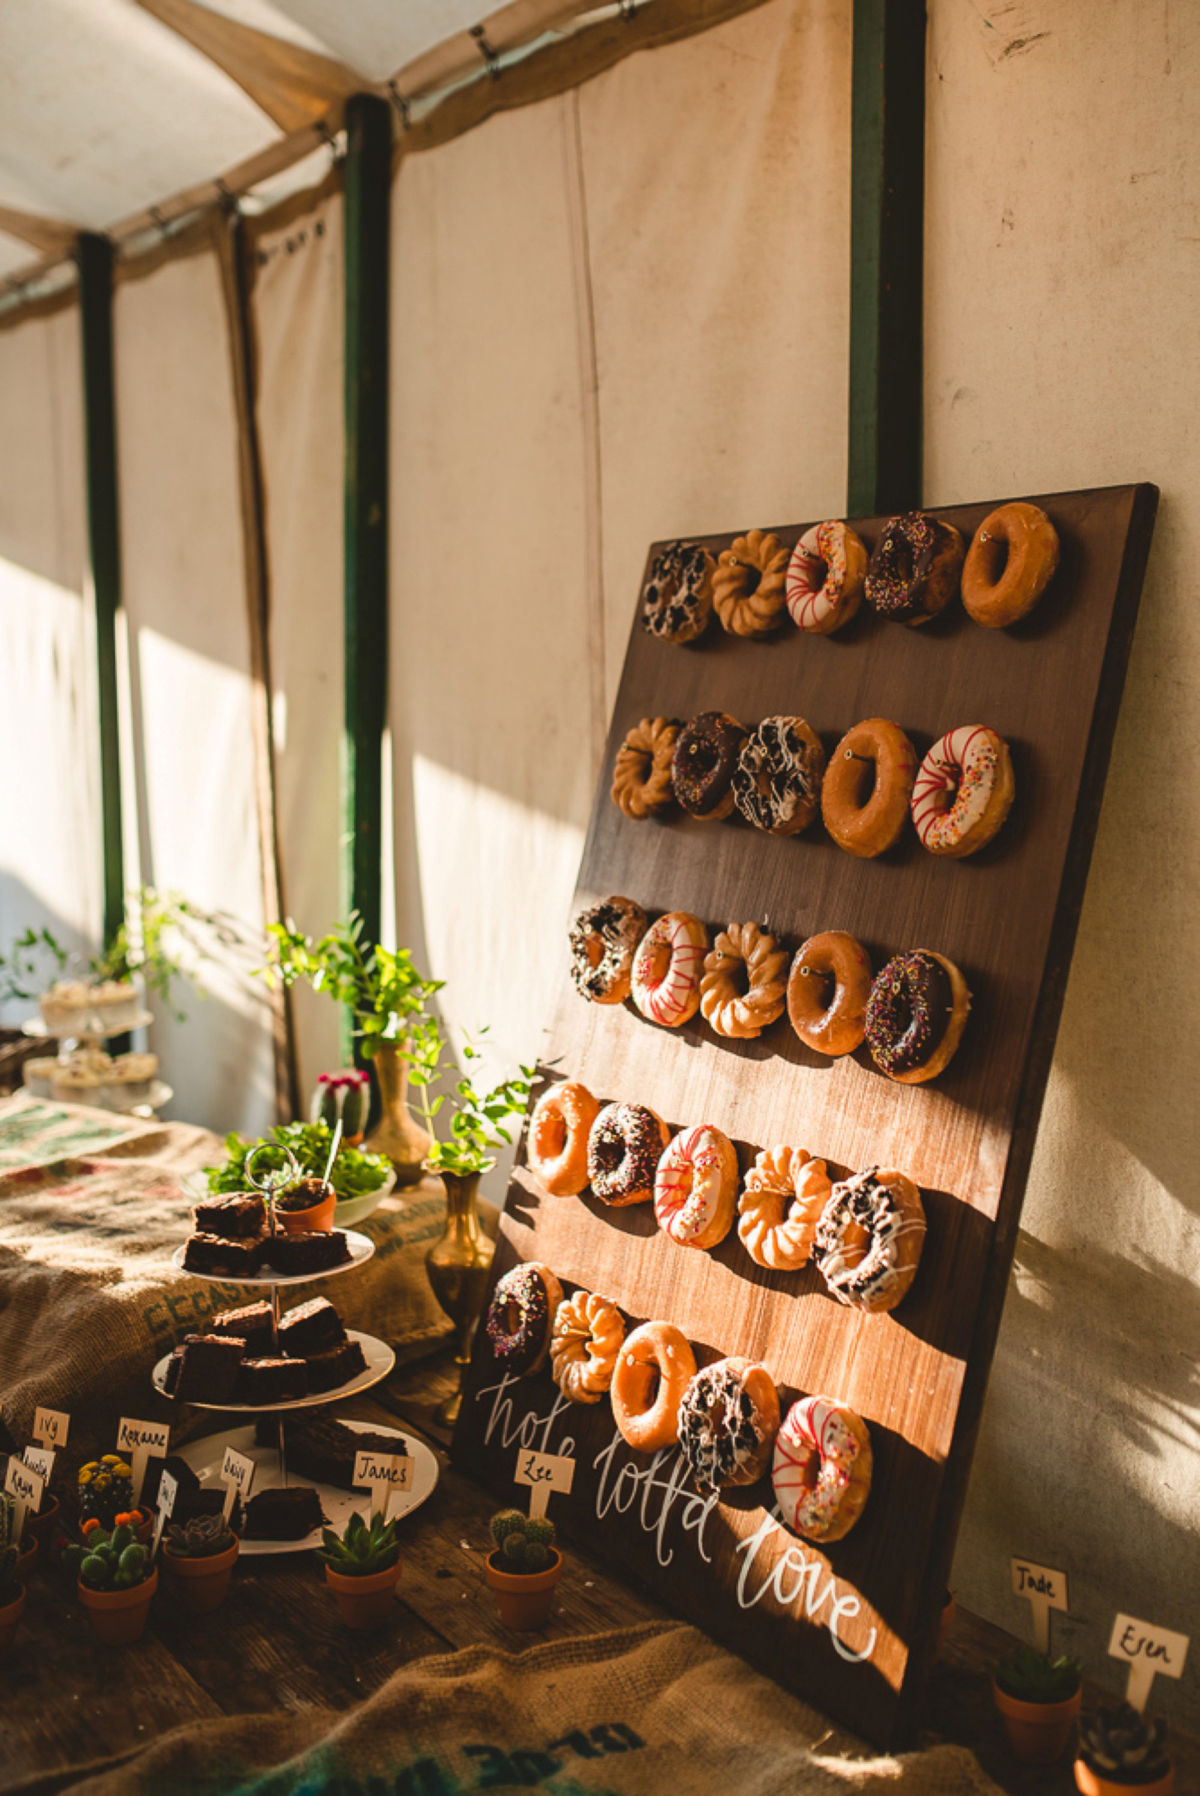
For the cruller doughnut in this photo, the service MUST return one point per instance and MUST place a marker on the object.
(869, 1239)
(821, 1473)
(667, 967)
(825, 578)
(728, 1420)
(828, 989)
(781, 1203)
(623, 1153)
(641, 782)
(677, 596)
(1009, 565)
(742, 990)
(914, 568)
(916, 1015)
(867, 786)
(706, 754)
(520, 1316)
(584, 1345)
(695, 1187)
(652, 1372)
(750, 584)
(963, 791)
(603, 940)
(777, 780)
(557, 1143)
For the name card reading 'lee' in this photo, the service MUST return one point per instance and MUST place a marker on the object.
(51, 1427)
(544, 1472)
(1146, 1650)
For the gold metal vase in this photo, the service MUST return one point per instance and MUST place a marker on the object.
(458, 1265)
(397, 1133)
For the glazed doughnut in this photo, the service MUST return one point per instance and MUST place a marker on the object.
(868, 783)
(623, 1153)
(914, 568)
(728, 1420)
(653, 1370)
(695, 1187)
(706, 754)
(603, 940)
(780, 1206)
(520, 1316)
(777, 780)
(827, 993)
(825, 578)
(750, 584)
(584, 1345)
(557, 1144)
(677, 596)
(667, 968)
(916, 1015)
(869, 1239)
(742, 990)
(1009, 565)
(641, 782)
(963, 792)
(821, 1473)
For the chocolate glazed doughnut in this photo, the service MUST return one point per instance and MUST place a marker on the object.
(867, 787)
(914, 568)
(777, 780)
(677, 597)
(623, 1153)
(706, 754)
(915, 1015)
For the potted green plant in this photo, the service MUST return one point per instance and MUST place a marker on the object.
(362, 1568)
(523, 1568)
(306, 1206)
(105, 1495)
(354, 1175)
(1120, 1750)
(199, 1557)
(12, 1596)
(24, 1545)
(1038, 1698)
(116, 1581)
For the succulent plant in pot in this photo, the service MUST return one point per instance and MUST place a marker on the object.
(199, 1557)
(1039, 1698)
(1120, 1750)
(523, 1568)
(12, 1595)
(116, 1580)
(362, 1568)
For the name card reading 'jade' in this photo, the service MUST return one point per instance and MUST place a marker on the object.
(140, 1440)
(387, 1474)
(25, 1487)
(544, 1472)
(168, 1489)
(1146, 1650)
(51, 1427)
(237, 1475)
(1043, 1589)
(41, 1459)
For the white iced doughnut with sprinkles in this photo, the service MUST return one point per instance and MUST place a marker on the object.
(821, 1472)
(667, 967)
(825, 578)
(963, 791)
(695, 1188)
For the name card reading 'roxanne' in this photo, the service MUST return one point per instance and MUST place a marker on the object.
(1146, 1650)
(141, 1440)
(1043, 1589)
(387, 1474)
(544, 1472)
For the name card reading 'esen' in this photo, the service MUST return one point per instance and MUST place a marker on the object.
(1146, 1650)
(544, 1472)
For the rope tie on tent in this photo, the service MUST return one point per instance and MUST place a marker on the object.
(489, 55)
(628, 10)
(401, 105)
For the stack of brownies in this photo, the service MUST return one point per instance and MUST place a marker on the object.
(232, 1240)
(240, 1361)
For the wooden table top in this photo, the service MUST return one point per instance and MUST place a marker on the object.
(243, 1660)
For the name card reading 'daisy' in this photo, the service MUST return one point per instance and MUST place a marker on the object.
(386, 1474)
(168, 1490)
(141, 1440)
(51, 1427)
(237, 1475)
(1146, 1650)
(1043, 1589)
(25, 1487)
(544, 1472)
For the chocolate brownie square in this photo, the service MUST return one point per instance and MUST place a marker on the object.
(232, 1217)
(208, 1368)
(313, 1250)
(186, 1482)
(222, 1258)
(323, 1449)
(334, 1366)
(253, 1322)
(283, 1514)
(272, 1381)
(310, 1328)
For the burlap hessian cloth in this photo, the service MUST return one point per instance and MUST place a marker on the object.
(650, 1711)
(91, 1211)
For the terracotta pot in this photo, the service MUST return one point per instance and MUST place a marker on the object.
(26, 1560)
(10, 1615)
(524, 1598)
(1037, 1731)
(1094, 1783)
(119, 1616)
(317, 1216)
(200, 1584)
(364, 1602)
(44, 1525)
(144, 1532)
(949, 1611)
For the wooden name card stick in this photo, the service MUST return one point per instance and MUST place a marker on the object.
(140, 1440)
(51, 1427)
(25, 1488)
(387, 1475)
(1146, 1650)
(544, 1472)
(1043, 1590)
(168, 1489)
(40, 1460)
(237, 1475)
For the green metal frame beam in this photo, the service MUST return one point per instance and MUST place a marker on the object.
(887, 214)
(94, 255)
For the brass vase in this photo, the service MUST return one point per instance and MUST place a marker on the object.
(458, 1266)
(397, 1133)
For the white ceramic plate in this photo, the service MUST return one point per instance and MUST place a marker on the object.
(37, 1028)
(160, 1094)
(361, 1248)
(378, 1355)
(207, 1456)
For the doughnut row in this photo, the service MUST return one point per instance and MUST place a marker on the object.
(776, 776)
(725, 1418)
(916, 568)
(911, 1014)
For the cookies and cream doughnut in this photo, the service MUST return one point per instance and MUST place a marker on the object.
(916, 1015)
(695, 1187)
(706, 754)
(827, 993)
(750, 584)
(742, 989)
(520, 1315)
(869, 1239)
(867, 787)
(677, 596)
(728, 1420)
(781, 1203)
(1009, 565)
(623, 1153)
(641, 782)
(557, 1143)
(584, 1344)
(777, 780)
(603, 940)
(821, 1471)
(914, 568)
(963, 791)
(825, 578)
(653, 1370)
(667, 968)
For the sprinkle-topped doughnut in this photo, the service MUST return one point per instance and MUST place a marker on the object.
(677, 597)
(520, 1315)
(695, 1187)
(777, 780)
(728, 1421)
(667, 969)
(1009, 565)
(742, 991)
(869, 1239)
(750, 584)
(963, 791)
(914, 568)
(821, 1471)
(623, 1153)
(915, 1015)
(825, 578)
(706, 753)
(641, 782)
(779, 1209)
(603, 940)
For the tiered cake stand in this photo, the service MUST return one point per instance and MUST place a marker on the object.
(160, 1092)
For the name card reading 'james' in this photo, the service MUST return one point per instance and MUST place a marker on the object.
(51, 1427)
(544, 1472)
(386, 1474)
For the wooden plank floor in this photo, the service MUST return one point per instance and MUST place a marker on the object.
(66, 1704)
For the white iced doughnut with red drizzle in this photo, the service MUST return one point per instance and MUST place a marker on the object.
(821, 1471)
(825, 578)
(695, 1188)
(667, 967)
(963, 791)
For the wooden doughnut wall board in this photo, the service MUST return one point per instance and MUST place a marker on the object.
(851, 1628)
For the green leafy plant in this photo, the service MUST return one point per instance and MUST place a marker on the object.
(203, 1537)
(1122, 1746)
(354, 1172)
(359, 1551)
(478, 1120)
(10, 1584)
(108, 1561)
(380, 986)
(1030, 1676)
(525, 1543)
(105, 1490)
(23, 969)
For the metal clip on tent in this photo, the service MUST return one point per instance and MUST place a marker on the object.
(401, 105)
(489, 55)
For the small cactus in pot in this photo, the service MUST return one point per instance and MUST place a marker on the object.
(345, 1095)
(525, 1543)
(1120, 1750)
(116, 1579)
(1038, 1698)
(523, 1568)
